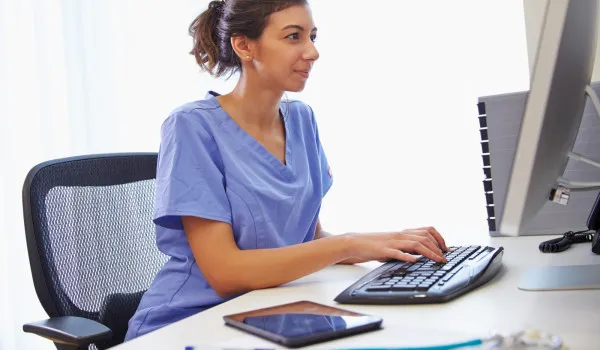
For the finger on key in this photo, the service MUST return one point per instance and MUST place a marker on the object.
(438, 237)
(418, 247)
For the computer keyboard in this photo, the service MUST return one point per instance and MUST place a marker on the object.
(426, 281)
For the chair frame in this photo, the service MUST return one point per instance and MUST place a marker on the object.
(67, 332)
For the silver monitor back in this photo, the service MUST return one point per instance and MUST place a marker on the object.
(553, 112)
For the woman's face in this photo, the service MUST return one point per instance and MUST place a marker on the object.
(285, 53)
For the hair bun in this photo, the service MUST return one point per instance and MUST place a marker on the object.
(217, 5)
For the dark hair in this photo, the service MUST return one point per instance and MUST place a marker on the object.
(213, 29)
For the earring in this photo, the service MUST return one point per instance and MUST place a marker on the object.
(247, 57)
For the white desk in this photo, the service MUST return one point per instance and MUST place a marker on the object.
(498, 305)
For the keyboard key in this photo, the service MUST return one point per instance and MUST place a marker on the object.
(447, 278)
(402, 288)
(451, 274)
(447, 267)
(413, 268)
(402, 265)
(378, 288)
(481, 253)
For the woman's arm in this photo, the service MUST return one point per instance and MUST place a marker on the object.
(320, 233)
(231, 271)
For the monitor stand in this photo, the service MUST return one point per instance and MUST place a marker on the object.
(573, 277)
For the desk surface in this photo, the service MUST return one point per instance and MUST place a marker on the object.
(497, 306)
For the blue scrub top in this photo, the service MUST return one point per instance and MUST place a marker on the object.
(209, 167)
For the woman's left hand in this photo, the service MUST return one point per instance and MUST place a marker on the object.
(428, 233)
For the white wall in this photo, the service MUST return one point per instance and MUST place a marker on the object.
(395, 95)
(534, 15)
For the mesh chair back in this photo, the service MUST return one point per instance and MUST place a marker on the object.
(90, 236)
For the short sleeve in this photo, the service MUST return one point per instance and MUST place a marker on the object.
(326, 174)
(189, 179)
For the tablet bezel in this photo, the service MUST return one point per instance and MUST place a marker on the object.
(373, 323)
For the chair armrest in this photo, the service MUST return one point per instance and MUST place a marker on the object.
(70, 330)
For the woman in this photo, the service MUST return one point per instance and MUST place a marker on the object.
(241, 176)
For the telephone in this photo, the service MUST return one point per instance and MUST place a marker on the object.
(593, 224)
(591, 235)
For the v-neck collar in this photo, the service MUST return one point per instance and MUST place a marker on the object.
(248, 140)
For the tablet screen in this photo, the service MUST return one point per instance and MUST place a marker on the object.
(301, 319)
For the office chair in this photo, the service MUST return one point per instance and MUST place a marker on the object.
(91, 245)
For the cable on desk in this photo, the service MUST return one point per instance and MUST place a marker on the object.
(470, 343)
(563, 243)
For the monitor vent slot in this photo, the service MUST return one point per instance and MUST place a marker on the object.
(487, 167)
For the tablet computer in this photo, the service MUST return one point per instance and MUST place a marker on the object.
(302, 323)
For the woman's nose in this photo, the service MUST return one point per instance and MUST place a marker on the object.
(311, 53)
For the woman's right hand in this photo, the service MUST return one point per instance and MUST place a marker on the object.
(403, 245)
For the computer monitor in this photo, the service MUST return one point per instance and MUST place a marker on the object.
(559, 88)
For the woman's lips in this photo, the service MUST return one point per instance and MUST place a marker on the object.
(304, 74)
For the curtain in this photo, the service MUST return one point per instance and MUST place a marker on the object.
(394, 92)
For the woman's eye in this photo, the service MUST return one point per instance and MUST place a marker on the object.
(294, 36)
(313, 37)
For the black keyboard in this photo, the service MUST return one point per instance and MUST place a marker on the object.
(426, 281)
